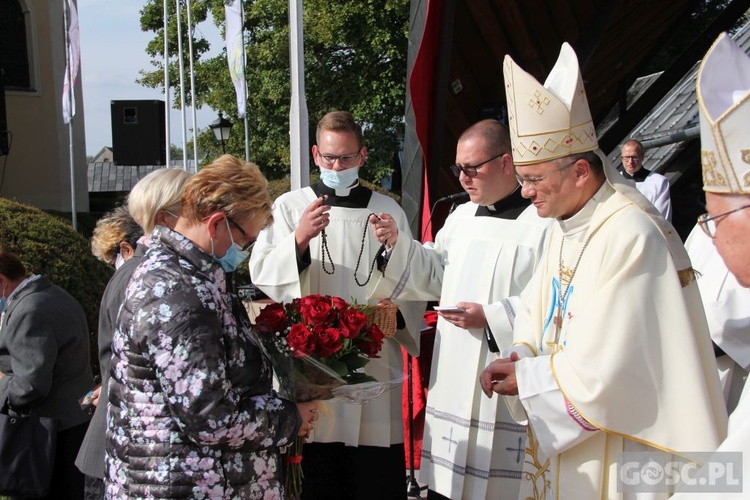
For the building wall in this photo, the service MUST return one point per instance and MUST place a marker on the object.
(38, 165)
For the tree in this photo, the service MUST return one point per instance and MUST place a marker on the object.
(355, 59)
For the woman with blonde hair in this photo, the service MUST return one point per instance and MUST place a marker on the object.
(192, 413)
(115, 237)
(154, 201)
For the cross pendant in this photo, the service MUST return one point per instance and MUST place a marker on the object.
(558, 321)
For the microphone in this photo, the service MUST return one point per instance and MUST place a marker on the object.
(454, 197)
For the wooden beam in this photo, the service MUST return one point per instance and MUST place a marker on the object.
(651, 97)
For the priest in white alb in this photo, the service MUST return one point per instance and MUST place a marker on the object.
(320, 243)
(612, 352)
(480, 261)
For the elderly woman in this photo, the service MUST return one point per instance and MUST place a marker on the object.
(155, 200)
(115, 237)
(191, 410)
(44, 362)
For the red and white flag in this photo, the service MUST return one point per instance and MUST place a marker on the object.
(73, 62)
(236, 52)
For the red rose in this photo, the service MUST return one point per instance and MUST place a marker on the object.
(351, 322)
(340, 303)
(371, 342)
(271, 319)
(300, 340)
(317, 310)
(327, 341)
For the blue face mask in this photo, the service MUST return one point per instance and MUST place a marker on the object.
(234, 255)
(340, 179)
(3, 300)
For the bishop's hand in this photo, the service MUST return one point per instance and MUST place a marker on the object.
(314, 219)
(500, 377)
(385, 229)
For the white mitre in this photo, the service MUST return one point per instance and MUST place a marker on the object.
(552, 120)
(724, 98)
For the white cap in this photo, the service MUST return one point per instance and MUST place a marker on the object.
(552, 120)
(724, 99)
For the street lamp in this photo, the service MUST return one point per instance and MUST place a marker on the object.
(222, 128)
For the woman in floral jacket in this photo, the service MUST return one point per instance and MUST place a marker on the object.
(191, 410)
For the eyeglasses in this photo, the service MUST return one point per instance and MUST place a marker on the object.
(631, 158)
(247, 246)
(471, 170)
(709, 224)
(533, 181)
(347, 160)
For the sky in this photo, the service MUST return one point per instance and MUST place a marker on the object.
(113, 52)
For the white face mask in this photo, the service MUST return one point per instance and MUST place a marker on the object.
(340, 179)
(119, 260)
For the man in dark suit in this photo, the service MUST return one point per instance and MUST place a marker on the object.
(44, 362)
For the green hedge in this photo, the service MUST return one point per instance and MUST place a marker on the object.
(48, 245)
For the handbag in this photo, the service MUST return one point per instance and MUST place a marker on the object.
(27, 452)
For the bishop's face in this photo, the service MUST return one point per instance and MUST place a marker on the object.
(551, 188)
(732, 238)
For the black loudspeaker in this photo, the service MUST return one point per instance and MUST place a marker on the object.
(4, 149)
(138, 135)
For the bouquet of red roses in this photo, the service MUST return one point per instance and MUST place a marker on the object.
(318, 346)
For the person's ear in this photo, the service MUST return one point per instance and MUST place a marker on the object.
(363, 156)
(161, 218)
(213, 222)
(315, 154)
(583, 172)
(126, 250)
(508, 167)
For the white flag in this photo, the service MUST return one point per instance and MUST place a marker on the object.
(236, 52)
(72, 63)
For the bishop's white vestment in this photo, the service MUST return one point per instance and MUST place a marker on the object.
(472, 448)
(727, 307)
(274, 269)
(628, 365)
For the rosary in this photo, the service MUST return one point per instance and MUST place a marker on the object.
(326, 252)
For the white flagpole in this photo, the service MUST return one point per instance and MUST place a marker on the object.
(168, 103)
(73, 211)
(244, 75)
(182, 87)
(298, 131)
(192, 89)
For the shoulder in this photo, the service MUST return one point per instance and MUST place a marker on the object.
(657, 178)
(382, 200)
(631, 227)
(290, 198)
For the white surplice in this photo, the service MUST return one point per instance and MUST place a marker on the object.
(632, 367)
(472, 448)
(655, 187)
(273, 268)
(727, 306)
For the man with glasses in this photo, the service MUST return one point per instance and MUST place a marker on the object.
(655, 187)
(723, 90)
(611, 350)
(480, 261)
(317, 244)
